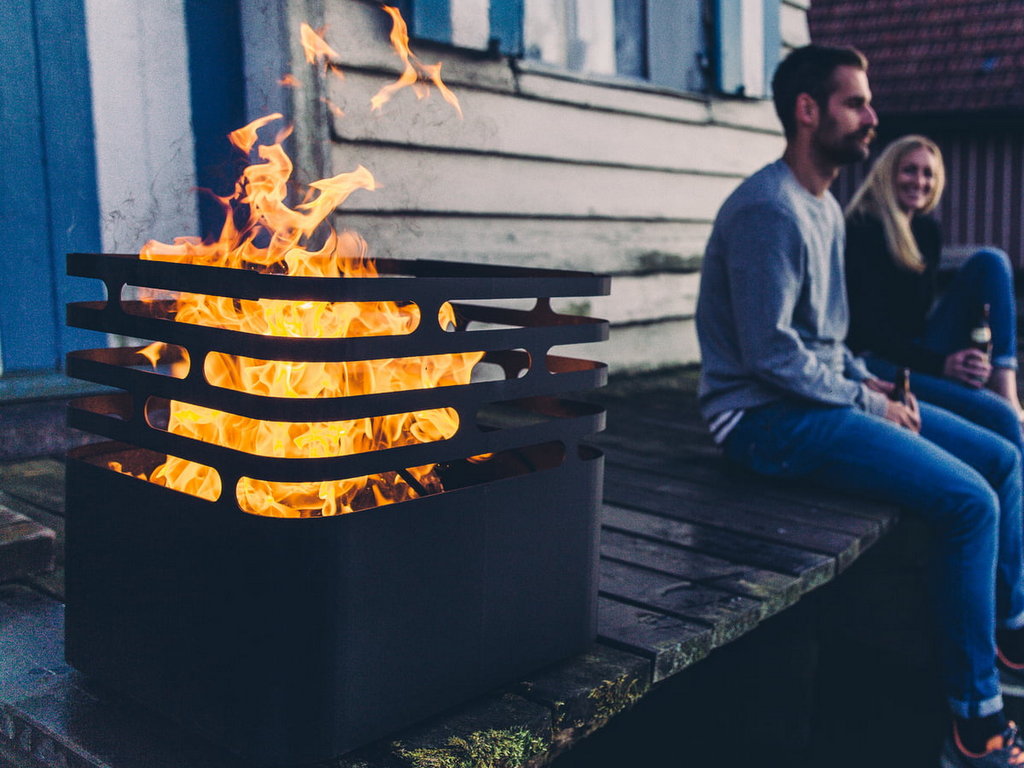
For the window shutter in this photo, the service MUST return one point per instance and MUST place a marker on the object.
(427, 19)
(506, 17)
(747, 44)
(631, 38)
(675, 44)
(481, 23)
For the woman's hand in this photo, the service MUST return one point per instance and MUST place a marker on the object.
(970, 366)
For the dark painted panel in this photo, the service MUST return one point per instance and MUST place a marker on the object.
(631, 38)
(772, 39)
(70, 156)
(432, 20)
(28, 321)
(675, 44)
(506, 18)
(217, 99)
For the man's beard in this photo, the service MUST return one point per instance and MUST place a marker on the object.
(842, 150)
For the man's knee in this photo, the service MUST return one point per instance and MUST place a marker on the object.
(970, 509)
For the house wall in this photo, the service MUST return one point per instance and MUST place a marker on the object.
(545, 170)
(142, 118)
(982, 204)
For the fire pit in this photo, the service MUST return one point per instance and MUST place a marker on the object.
(292, 639)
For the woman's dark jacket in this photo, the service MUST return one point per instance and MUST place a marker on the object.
(889, 304)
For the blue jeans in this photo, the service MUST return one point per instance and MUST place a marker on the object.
(979, 406)
(986, 278)
(962, 480)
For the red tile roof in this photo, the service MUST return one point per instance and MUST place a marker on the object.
(932, 56)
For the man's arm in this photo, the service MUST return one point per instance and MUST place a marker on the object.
(767, 271)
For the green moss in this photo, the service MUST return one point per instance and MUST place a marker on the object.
(480, 749)
(614, 696)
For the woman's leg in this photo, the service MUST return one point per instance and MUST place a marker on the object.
(986, 278)
(979, 406)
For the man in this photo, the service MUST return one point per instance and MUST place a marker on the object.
(784, 397)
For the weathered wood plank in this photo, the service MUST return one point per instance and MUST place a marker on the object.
(775, 591)
(730, 497)
(747, 521)
(813, 569)
(671, 643)
(496, 730)
(715, 471)
(424, 180)
(603, 245)
(499, 125)
(26, 547)
(39, 482)
(728, 614)
(584, 692)
(655, 421)
(43, 517)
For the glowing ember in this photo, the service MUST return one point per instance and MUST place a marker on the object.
(275, 238)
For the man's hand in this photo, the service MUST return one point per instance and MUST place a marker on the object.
(970, 366)
(885, 387)
(905, 415)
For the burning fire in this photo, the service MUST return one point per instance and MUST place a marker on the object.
(275, 238)
(415, 71)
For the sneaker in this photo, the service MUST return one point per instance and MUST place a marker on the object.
(1004, 749)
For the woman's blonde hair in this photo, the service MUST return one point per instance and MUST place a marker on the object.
(877, 197)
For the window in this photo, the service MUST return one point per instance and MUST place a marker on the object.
(725, 46)
(660, 41)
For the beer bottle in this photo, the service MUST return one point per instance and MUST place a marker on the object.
(981, 333)
(901, 386)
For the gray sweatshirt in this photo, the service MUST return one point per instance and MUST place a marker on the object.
(772, 313)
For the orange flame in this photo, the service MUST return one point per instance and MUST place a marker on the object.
(335, 109)
(290, 81)
(316, 48)
(274, 239)
(415, 71)
(152, 352)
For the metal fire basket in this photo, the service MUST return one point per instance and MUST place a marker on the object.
(292, 640)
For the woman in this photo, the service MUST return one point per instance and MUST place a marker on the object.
(892, 259)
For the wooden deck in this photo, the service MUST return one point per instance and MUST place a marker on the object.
(693, 556)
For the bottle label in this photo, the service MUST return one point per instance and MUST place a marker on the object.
(981, 335)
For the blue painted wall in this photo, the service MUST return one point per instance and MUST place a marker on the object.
(48, 199)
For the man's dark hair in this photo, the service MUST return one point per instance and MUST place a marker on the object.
(809, 70)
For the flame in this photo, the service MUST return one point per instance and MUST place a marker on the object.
(152, 352)
(316, 48)
(415, 71)
(290, 81)
(335, 109)
(274, 238)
